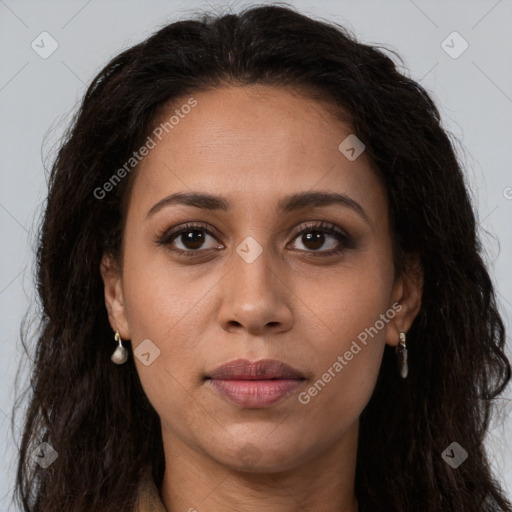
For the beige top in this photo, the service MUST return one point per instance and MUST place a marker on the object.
(148, 496)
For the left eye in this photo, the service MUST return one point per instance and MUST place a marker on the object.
(315, 238)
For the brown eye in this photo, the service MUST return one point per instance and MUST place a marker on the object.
(192, 239)
(326, 239)
(314, 240)
(189, 239)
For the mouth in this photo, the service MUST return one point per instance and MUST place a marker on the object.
(255, 384)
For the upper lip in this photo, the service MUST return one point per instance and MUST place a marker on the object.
(264, 369)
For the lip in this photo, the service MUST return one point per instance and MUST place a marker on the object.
(255, 384)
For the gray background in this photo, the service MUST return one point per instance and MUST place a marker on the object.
(37, 96)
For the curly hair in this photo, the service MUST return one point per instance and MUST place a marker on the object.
(99, 419)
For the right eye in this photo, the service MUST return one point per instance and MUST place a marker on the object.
(191, 237)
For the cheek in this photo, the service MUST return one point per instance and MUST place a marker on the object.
(166, 308)
(346, 320)
(163, 301)
(345, 380)
(343, 302)
(346, 365)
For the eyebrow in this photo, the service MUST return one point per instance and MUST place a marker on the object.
(294, 202)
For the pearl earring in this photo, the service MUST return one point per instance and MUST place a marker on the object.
(401, 351)
(120, 355)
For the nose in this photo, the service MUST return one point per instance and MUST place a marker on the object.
(255, 297)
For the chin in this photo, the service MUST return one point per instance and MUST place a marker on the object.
(259, 457)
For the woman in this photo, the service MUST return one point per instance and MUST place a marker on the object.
(262, 286)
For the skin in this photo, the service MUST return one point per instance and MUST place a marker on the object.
(254, 146)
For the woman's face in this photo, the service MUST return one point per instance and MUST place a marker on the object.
(276, 269)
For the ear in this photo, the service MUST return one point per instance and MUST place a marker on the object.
(407, 291)
(114, 298)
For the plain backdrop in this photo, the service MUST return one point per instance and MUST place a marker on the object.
(38, 95)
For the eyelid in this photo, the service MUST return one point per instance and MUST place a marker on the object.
(165, 237)
(320, 225)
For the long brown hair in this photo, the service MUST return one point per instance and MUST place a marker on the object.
(96, 415)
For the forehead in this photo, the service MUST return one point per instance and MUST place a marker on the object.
(252, 145)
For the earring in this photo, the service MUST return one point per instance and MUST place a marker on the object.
(120, 355)
(401, 351)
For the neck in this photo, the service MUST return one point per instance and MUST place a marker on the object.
(195, 482)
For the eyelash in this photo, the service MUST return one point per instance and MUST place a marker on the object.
(345, 242)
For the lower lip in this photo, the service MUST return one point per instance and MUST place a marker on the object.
(255, 393)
